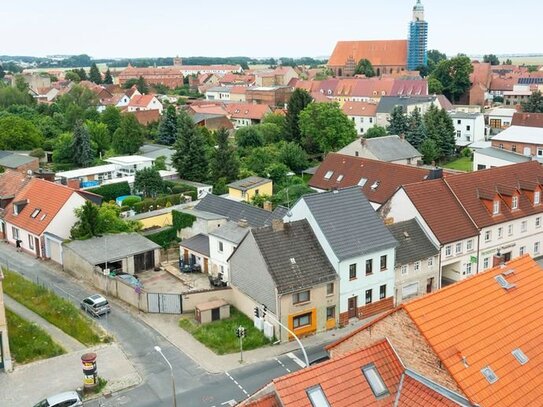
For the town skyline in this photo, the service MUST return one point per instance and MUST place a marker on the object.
(274, 34)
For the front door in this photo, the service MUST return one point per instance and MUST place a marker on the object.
(429, 284)
(215, 314)
(206, 265)
(352, 305)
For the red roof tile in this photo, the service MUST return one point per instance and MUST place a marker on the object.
(433, 199)
(269, 400)
(47, 196)
(359, 109)
(527, 119)
(387, 52)
(480, 321)
(144, 117)
(141, 100)
(388, 176)
(247, 110)
(11, 182)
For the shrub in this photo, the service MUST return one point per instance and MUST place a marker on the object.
(111, 192)
(164, 238)
(182, 220)
(131, 200)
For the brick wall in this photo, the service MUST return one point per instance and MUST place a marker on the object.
(508, 145)
(368, 310)
(411, 346)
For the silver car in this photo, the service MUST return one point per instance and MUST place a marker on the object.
(67, 399)
(96, 305)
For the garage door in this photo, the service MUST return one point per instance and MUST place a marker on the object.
(144, 261)
(54, 251)
(410, 290)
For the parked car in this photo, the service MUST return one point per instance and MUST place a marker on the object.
(67, 399)
(95, 305)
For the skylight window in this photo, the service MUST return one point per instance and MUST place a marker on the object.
(317, 397)
(375, 381)
(35, 213)
(520, 356)
(43, 216)
(328, 175)
(502, 281)
(375, 185)
(362, 182)
(339, 178)
(489, 374)
(292, 260)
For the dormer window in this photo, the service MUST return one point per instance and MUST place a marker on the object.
(496, 207)
(514, 202)
(537, 197)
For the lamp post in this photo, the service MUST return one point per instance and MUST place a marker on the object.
(159, 350)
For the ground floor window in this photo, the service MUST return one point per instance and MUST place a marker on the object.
(331, 312)
(302, 320)
(410, 290)
(31, 242)
(15, 232)
(368, 296)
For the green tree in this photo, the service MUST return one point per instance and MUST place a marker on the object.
(108, 79)
(82, 74)
(249, 137)
(99, 135)
(277, 172)
(440, 128)
(48, 127)
(224, 162)
(327, 126)
(95, 75)
(111, 117)
(17, 133)
(160, 163)
(299, 100)
(534, 104)
(364, 67)
(149, 182)
(277, 119)
(398, 123)
(190, 156)
(2, 72)
(129, 137)
(260, 159)
(87, 221)
(10, 96)
(507, 62)
(375, 131)
(72, 76)
(454, 76)
(167, 129)
(491, 59)
(38, 153)
(82, 154)
(95, 221)
(142, 85)
(434, 86)
(62, 149)
(271, 132)
(434, 58)
(21, 84)
(416, 133)
(293, 156)
(429, 150)
(424, 71)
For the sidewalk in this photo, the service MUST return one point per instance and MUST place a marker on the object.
(30, 383)
(168, 326)
(68, 343)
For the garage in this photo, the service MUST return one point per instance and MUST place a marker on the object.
(410, 290)
(53, 247)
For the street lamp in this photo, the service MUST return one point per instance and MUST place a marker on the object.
(157, 348)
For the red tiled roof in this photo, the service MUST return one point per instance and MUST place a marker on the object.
(499, 83)
(208, 108)
(144, 117)
(269, 400)
(410, 87)
(433, 199)
(11, 182)
(241, 90)
(387, 52)
(247, 110)
(344, 384)
(141, 100)
(481, 74)
(480, 321)
(47, 196)
(389, 176)
(359, 109)
(527, 119)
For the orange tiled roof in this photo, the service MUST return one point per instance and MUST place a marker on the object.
(141, 100)
(210, 108)
(480, 321)
(47, 196)
(144, 117)
(247, 110)
(11, 182)
(359, 109)
(269, 400)
(384, 52)
(338, 377)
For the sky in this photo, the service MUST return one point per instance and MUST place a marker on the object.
(258, 28)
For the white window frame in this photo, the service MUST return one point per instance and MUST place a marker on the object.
(448, 250)
(522, 250)
(416, 266)
(524, 226)
(537, 197)
(404, 270)
(538, 222)
(488, 236)
(468, 269)
(537, 247)
(458, 248)
(430, 262)
(486, 263)
(496, 207)
(31, 242)
(510, 230)
(15, 232)
(469, 244)
(514, 202)
(500, 232)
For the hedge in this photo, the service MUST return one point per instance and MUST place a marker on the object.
(161, 201)
(182, 220)
(164, 238)
(111, 192)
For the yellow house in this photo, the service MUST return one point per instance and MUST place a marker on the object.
(247, 188)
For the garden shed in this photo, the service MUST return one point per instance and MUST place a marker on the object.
(212, 311)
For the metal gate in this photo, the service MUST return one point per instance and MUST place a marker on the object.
(164, 303)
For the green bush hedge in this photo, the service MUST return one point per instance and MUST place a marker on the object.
(165, 237)
(162, 202)
(131, 200)
(111, 192)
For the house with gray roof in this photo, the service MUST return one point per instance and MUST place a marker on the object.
(358, 245)
(391, 149)
(284, 267)
(18, 162)
(239, 211)
(408, 104)
(491, 157)
(417, 265)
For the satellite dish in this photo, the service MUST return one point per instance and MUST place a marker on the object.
(29, 173)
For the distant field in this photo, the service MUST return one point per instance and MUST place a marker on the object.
(525, 60)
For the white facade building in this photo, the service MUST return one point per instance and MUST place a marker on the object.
(469, 127)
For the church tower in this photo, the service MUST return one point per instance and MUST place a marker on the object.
(417, 53)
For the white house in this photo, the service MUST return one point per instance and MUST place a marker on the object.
(129, 164)
(40, 218)
(469, 127)
(218, 93)
(144, 102)
(499, 118)
(222, 243)
(358, 245)
(363, 115)
(491, 157)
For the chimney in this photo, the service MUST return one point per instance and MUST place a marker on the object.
(278, 225)
(498, 259)
(435, 173)
(243, 223)
(268, 206)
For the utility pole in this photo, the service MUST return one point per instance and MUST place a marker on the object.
(240, 333)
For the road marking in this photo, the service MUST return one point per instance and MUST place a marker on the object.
(282, 364)
(229, 403)
(296, 360)
(239, 385)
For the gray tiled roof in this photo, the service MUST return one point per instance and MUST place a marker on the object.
(414, 244)
(249, 182)
(391, 148)
(230, 231)
(388, 103)
(111, 247)
(504, 155)
(294, 257)
(236, 211)
(198, 243)
(16, 160)
(349, 223)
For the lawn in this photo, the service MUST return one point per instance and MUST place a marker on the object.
(58, 311)
(220, 336)
(28, 342)
(461, 164)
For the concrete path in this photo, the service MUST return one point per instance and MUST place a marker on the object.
(30, 383)
(68, 343)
